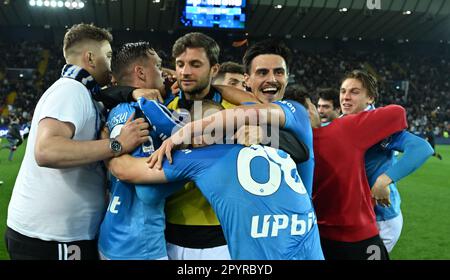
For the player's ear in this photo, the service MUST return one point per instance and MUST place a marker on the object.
(89, 58)
(214, 70)
(247, 81)
(139, 72)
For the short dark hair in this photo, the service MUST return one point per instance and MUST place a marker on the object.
(266, 47)
(368, 81)
(128, 54)
(197, 40)
(83, 31)
(229, 67)
(297, 93)
(330, 94)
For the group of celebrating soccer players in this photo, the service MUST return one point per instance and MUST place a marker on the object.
(206, 168)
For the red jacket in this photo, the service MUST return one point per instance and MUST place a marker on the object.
(341, 193)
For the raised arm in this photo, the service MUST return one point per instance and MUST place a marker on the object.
(236, 96)
(230, 119)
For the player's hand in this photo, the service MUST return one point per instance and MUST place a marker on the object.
(156, 159)
(313, 114)
(133, 134)
(381, 191)
(169, 74)
(249, 135)
(175, 88)
(150, 94)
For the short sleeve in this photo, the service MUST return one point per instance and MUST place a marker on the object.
(70, 102)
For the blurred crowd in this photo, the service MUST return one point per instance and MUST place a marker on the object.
(419, 83)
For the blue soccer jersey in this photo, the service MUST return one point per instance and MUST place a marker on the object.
(297, 121)
(380, 159)
(258, 197)
(133, 227)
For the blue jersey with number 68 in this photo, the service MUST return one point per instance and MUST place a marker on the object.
(258, 197)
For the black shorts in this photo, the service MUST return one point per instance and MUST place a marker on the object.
(21, 247)
(369, 249)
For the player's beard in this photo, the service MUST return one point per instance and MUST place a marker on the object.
(196, 92)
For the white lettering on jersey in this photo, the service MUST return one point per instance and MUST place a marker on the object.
(297, 226)
(114, 203)
(290, 105)
(265, 228)
(119, 119)
(281, 222)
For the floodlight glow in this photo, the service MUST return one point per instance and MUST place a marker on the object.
(46, 3)
(32, 3)
(81, 5)
(39, 3)
(67, 4)
(74, 4)
(60, 4)
(53, 4)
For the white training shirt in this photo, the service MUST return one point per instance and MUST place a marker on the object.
(60, 204)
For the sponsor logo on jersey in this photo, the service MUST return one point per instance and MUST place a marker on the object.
(271, 225)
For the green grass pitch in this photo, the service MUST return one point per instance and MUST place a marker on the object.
(425, 204)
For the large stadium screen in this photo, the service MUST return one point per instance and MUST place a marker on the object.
(218, 14)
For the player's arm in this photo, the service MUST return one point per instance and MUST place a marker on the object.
(135, 170)
(236, 96)
(370, 127)
(415, 152)
(258, 114)
(55, 148)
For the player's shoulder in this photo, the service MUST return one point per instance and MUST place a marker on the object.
(292, 105)
(392, 109)
(123, 108)
(210, 152)
(68, 88)
(151, 106)
(69, 82)
(120, 114)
